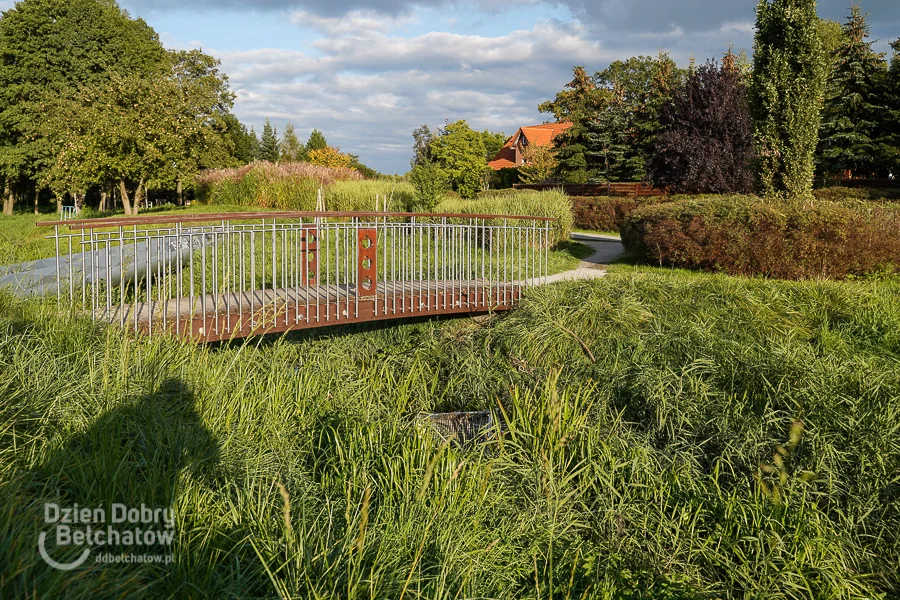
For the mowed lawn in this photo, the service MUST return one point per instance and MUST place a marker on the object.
(669, 435)
(21, 240)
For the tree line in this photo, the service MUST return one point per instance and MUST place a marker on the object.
(816, 100)
(289, 148)
(91, 102)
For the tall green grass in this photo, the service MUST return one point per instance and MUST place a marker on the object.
(361, 196)
(669, 436)
(515, 202)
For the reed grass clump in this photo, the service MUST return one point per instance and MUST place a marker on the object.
(285, 186)
(551, 203)
(369, 195)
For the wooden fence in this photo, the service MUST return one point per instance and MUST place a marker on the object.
(634, 190)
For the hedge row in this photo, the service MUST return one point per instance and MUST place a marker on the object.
(605, 213)
(840, 194)
(744, 235)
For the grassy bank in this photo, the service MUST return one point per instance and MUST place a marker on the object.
(670, 436)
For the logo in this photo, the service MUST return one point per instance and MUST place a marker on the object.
(128, 534)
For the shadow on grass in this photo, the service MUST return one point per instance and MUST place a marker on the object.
(133, 462)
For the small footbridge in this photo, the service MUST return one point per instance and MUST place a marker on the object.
(213, 277)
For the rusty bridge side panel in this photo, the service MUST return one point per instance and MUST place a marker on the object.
(309, 257)
(366, 263)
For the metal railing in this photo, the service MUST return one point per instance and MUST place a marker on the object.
(220, 276)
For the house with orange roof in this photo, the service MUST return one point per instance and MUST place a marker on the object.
(512, 155)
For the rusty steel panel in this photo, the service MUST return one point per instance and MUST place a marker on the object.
(241, 325)
(309, 257)
(366, 262)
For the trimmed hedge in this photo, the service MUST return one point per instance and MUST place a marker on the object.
(744, 235)
(837, 193)
(605, 213)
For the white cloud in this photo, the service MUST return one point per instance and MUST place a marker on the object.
(740, 26)
(368, 89)
(367, 83)
(354, 23)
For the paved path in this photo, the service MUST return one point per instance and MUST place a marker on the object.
(607, 249)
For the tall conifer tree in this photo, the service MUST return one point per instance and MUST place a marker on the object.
(291, 147)
(852, 104)
(888, 129)
(268, 147)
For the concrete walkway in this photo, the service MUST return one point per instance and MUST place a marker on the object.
(607, 249)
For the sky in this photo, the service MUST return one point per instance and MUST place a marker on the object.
(368, 72)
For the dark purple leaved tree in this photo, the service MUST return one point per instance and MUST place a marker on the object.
(706, 144)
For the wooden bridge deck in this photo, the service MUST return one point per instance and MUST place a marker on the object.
(236, 315)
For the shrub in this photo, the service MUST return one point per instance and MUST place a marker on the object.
(537, 204)
(329, 156)
(431, 182)
(605, 213)
(743, 235)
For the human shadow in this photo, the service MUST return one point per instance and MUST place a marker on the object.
(124, 473)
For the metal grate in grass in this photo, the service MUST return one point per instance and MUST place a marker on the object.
(462, 428)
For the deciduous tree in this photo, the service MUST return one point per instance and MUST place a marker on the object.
(628, 125)
(422, 139)
(52, 47)
(329, 156)
(431, 182)
(540, 164)
(706, 145)
(460, 152)
(493, 142)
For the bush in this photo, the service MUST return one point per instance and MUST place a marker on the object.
(329, 156)
(287, 186)
(529, 203)
(605, 213)
(431, 182)
(744, 235)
